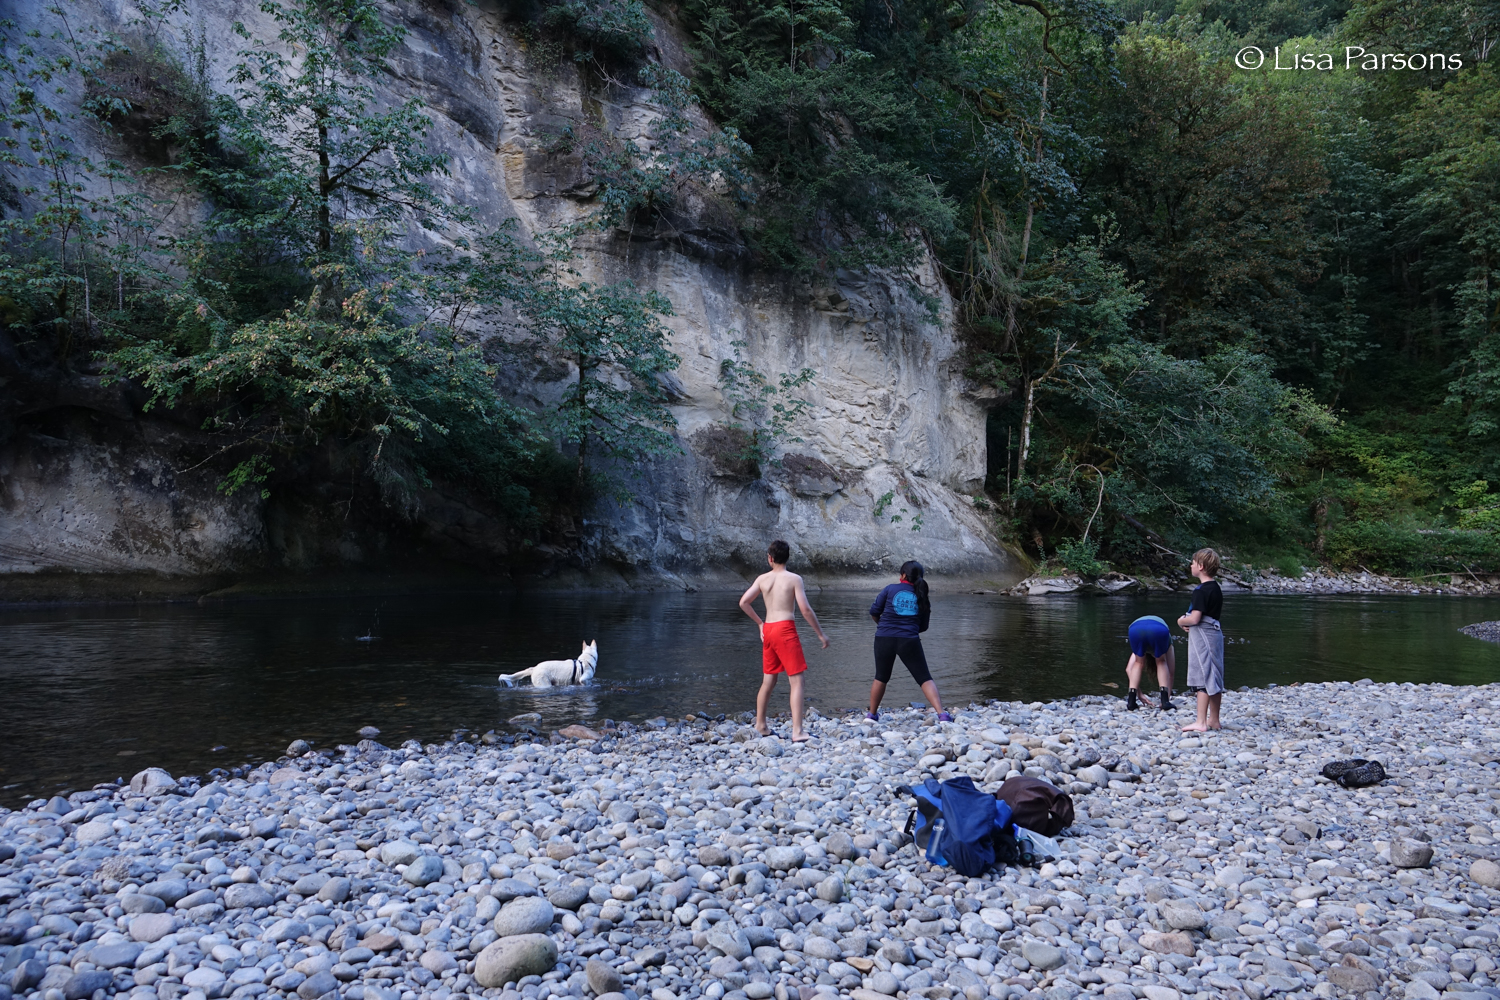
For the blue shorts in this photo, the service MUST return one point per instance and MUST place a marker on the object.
(1149, 636)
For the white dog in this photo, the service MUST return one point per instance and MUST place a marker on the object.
(559, 673)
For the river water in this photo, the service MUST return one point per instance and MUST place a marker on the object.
(91, 693)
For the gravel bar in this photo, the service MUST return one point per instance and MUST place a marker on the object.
(694, 858)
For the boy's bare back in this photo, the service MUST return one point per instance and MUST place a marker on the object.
(780, 589)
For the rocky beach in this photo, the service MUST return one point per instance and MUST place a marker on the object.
(693, 858)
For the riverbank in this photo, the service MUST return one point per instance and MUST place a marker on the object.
(1317, 581)
(693, 858)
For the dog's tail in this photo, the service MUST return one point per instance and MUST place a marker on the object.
(509, 680)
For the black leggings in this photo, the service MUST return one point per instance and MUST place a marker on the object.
(909, 648)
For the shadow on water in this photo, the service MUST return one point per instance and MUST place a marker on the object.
(92, 693)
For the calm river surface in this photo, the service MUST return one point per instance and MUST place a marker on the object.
(90, 693)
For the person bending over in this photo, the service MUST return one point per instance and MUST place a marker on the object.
(1150, 644)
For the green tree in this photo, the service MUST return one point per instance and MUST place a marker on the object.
(75, 248)
(616, 408)
(762, 409)
(321, 152)
(1212, 187)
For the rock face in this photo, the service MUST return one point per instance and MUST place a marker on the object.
(893, 430)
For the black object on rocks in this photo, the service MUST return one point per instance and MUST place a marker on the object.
(1355, 773)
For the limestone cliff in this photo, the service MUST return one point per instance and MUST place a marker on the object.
(890, 454)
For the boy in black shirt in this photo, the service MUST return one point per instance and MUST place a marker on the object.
(1205, 641)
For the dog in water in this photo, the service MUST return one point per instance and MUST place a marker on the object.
(559, 673)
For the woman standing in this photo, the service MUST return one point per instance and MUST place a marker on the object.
(901, 612)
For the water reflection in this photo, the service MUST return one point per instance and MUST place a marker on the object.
(95, 692)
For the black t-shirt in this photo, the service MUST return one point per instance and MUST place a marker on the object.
(1209, 599)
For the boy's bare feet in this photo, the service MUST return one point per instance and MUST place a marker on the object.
(1196, 727)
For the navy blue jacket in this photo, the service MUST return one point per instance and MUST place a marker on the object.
(898, 613)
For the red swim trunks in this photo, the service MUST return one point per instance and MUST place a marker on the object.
(781, 650)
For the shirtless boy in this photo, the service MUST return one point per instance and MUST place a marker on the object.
(781, 650)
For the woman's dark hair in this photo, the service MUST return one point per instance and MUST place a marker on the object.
(912, 573)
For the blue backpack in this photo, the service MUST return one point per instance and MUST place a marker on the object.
(958, 825)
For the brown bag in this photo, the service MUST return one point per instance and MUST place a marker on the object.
(1037, 805)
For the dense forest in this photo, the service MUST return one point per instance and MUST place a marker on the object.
(1233, 268)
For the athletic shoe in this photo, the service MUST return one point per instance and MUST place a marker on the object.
(872, 716)
(1131, 704)
(944, 717)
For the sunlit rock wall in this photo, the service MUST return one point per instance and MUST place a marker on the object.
(891, 416)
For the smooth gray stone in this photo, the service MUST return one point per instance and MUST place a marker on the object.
(140, 902)
(265, 826)
(424, 871)
(512, 958)
(511, 888)
(114, 956)
(308, 885)
(315, 986)
(285, 929)
(526, 915)
(897, 950)
(730, 940)
(399, 852)
(603, 977)
(153, 781)
(247, 896)
(1182, 915)
(335, 890)
(169, 891)
(83, 984)
(569, 897)
(840, 845)
(27, 975)
(1042, 955)
(785, 858)
(198, 898)
(149, 928)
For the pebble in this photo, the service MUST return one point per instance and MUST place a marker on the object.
(681, 861)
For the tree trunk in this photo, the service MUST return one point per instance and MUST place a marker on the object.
(1010, 309)
(1026, 428)
(325, 190)
(582, 403)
